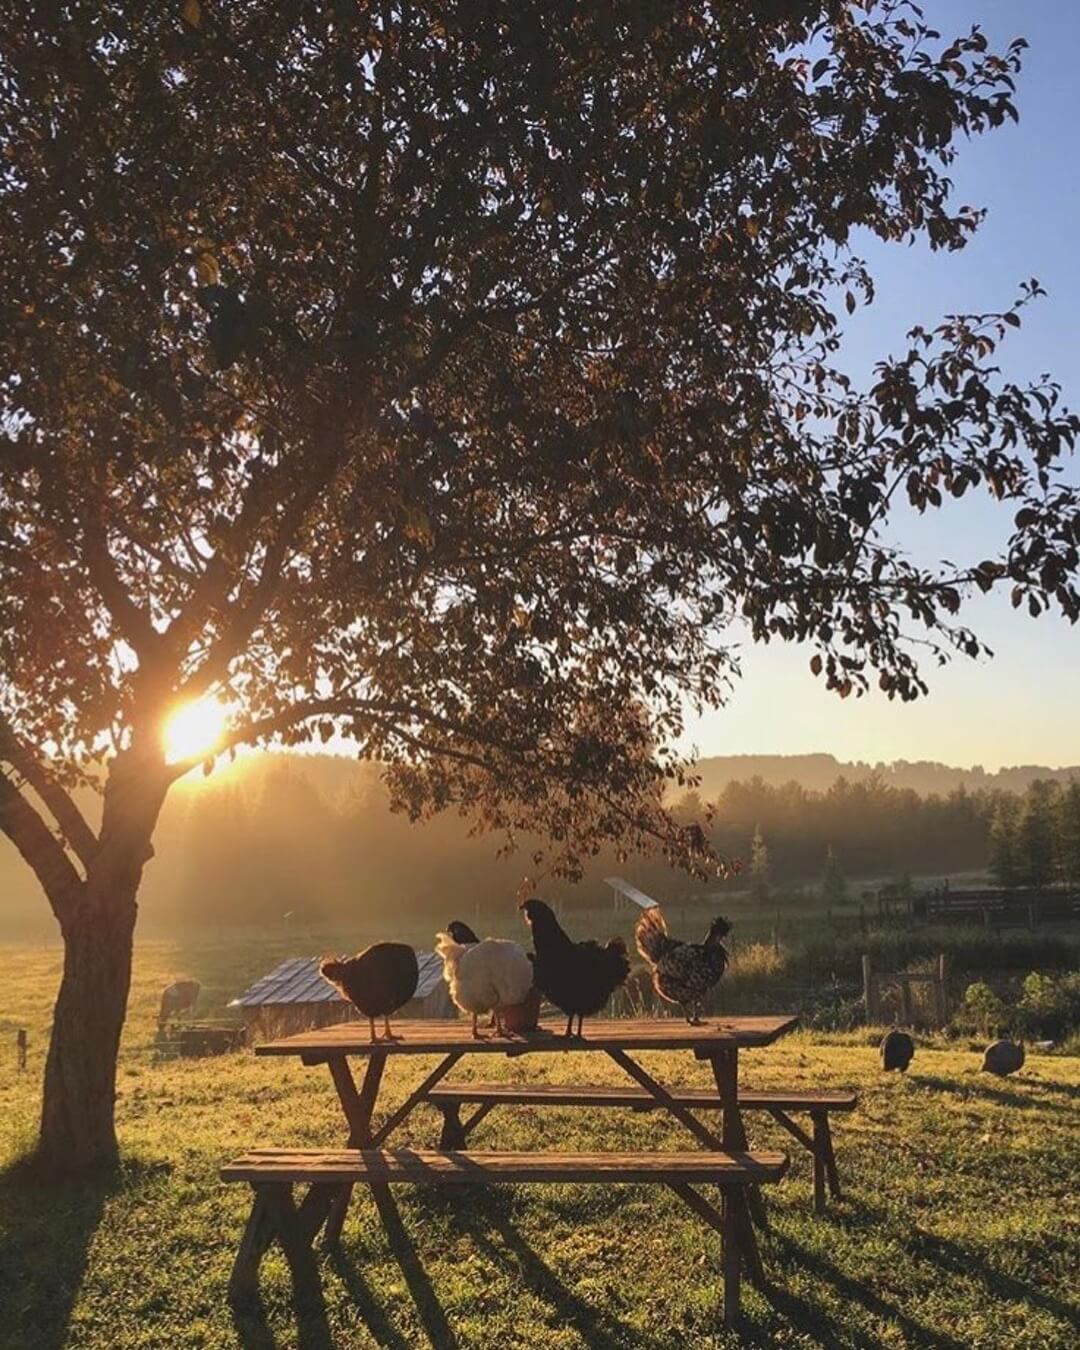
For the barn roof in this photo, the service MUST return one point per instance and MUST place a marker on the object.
(624, 888)
(298, 981)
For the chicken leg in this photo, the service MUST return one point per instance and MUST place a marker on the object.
(388, 1034)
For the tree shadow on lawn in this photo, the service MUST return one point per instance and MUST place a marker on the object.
(47, 1224)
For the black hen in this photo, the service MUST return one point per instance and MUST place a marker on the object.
(578, 977)
(897, 1051)
(682, 972)
(377, 981)
(461, 932)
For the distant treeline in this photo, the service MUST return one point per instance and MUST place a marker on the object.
(313, 836)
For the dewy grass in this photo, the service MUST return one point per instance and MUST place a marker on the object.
(958, 1228)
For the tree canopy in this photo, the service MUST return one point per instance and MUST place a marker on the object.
(449, 377)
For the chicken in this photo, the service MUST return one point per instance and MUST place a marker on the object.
(1003, 1058)
(897, 1051)
(682, 972)
(485, 976)
(377, 981)
(578, 977)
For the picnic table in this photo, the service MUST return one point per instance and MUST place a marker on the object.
(726, 1160)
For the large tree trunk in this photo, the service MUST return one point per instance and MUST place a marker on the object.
(78, 1128)
(77, 1121)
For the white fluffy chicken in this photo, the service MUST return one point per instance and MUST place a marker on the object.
(485, 977)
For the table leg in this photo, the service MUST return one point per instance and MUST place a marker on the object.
(358, 1106)
(258, 1235)
(725, 1066)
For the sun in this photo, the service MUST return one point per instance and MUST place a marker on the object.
(194, 730)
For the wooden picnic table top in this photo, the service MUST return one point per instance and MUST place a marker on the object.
(432, 1037)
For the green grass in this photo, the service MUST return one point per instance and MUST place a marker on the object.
(960, 1226)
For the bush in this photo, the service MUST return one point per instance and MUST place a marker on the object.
(982, 1010)
(1049, 1007)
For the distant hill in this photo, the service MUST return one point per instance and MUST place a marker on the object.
(819, 772)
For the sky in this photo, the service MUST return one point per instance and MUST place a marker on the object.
(1023, 706)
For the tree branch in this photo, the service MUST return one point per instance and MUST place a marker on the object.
(39, 848)
(78, 834)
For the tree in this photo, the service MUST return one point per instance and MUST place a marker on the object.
(1005, 863)
(1068, 832)
(759, 867)
(445, 378)
(1036, 841)
(833, 881)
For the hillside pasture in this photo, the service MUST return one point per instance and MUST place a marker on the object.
(958, 1227)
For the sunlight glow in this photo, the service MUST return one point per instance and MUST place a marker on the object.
(194, 730)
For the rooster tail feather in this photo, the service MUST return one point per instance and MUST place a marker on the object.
(651, 934)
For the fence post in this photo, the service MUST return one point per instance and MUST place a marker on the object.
(868, 988)
(20, 1042)
(905, 999)
(943, 987)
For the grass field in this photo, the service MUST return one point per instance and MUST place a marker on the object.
(961, 1226)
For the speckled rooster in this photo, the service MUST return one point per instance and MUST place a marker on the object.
(682, 972)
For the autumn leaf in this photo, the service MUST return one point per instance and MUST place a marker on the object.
(191, 13)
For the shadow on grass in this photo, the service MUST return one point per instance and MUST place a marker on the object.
(47, 1224)
(313, 1332)
(959, 1260)
(984, 1088)
(598, 1327)
(432, 1317)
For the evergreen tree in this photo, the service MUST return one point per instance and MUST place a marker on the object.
(1068, 832)
(759, 867)
(833, 881)
(1004, 843)
(1037, 841)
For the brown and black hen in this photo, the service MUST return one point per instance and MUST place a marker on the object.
(682, 972)
(377, 981)
(578, 977)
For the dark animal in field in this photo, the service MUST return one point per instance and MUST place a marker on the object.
(462, 933)
(897, 1050)
(377, 981)
(1003, 1058)
(578, 977)
(176, 998)
(682, 972)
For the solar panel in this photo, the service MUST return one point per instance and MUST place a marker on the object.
(629, 892)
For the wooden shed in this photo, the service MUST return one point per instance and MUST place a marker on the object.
(294, 997)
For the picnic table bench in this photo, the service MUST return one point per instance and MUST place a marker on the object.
(450, 1097)
(722, 1160)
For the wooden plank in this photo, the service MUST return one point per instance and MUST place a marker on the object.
(602, 1094)
(380, 1166)
(433, 1037)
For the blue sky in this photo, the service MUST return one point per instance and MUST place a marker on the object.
(1022, 706)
